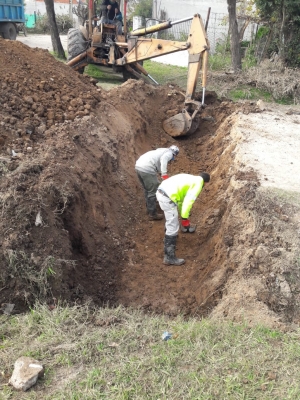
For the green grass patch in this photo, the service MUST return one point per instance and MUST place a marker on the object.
(249, 93)
(106, 76)
(55, 55)
(219, 61)
(164, 73)
(119, 354)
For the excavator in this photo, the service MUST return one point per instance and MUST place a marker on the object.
(100, 43)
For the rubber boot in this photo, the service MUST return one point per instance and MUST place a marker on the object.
(170, 258)
(151, 207)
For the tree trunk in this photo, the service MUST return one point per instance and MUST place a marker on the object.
(243, 29)
(282, 32)
(55, 39)
(236, 59)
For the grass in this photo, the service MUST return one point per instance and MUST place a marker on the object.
(288, 196)
(164, 73)
(168, 74)
(104, 74)
(119, 354)
(219, 61)
(161, 73)
(249, 93)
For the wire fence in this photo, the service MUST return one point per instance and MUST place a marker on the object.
(217, 30)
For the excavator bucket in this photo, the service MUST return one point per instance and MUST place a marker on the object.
(181, 124)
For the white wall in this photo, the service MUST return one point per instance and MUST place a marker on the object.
(32, 6)
(187, 8)
(217, 27)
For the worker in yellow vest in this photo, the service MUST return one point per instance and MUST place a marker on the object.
(177, 194)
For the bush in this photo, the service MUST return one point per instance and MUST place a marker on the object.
(221, 58)
(63, 21)
(249, 59)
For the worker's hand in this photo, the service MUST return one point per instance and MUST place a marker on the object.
(186, 226)
(185, 222)
(164, 177)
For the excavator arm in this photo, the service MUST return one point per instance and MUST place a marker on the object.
(140, 48)
(104, 46)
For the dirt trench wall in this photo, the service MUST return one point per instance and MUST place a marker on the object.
(263, 249)
(79, 182)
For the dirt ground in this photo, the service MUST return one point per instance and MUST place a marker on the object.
(73, 221)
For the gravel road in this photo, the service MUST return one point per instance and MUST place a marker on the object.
(41, 41)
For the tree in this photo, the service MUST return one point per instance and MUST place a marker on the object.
(246, 12)
(142, 8)
(236, 59)
(82, 12)
(283, 17)
(55, 39)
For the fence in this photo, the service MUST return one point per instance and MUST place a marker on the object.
(217, 31)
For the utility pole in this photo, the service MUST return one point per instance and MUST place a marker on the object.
(154, 9)
(70, 8)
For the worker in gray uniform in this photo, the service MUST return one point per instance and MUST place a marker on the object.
(147, 167)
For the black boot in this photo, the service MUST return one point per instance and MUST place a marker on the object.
(170, 258)
(151, 207)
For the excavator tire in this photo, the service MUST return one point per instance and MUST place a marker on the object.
(76, 45)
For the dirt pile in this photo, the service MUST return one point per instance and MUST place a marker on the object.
(37, 92)
(73, 220)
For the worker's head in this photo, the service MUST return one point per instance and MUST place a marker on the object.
(174, 150)
(205, 176)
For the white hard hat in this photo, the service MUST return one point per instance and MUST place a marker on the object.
(174, 150)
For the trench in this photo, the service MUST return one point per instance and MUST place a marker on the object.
(95, 242)
(118, 251)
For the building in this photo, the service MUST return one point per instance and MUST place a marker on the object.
(33, 8)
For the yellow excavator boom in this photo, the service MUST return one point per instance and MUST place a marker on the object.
(141, 48)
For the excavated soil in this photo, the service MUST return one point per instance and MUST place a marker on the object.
(73, 220)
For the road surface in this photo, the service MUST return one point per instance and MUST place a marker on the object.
(41, 41)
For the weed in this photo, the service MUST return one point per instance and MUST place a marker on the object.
(164, 73)
(3, 168)
(249, 93)
(219, 61)
(36, 278)
(128, 360)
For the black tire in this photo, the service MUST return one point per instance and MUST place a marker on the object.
(76, 43)
(9, 31)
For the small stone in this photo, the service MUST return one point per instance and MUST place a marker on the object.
(260, 104)
(272, 376)
(7, 308)
(275, 253)
(261, 253)
(26, 373)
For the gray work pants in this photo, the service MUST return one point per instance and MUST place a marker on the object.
(171, 214)
(105, 20)
(150, 184)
